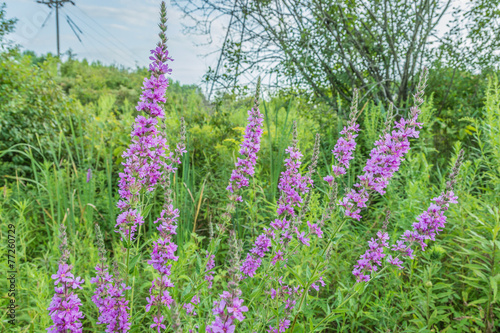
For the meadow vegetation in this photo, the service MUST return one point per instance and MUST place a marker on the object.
(62, 138)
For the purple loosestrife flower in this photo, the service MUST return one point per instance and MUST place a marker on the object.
(346, 144)
(163, 250)
(385, 158)
(209, 276)
(146, 157)
(291, 185)
(109, 294)
(372, 259)
(249, 149)
(430, 223)
(158, 323)
(224, 320)
(128, 222)
(89, 175)
(226, 311)
(65, 306)
(288, 296)
(164, 247)
(230, 307)
(189, 307)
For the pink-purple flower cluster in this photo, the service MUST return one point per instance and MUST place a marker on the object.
(284, 294)
(345, 146)
(385, 159)
(229, 308)
(109, 295)
(249, 148)
(110, 301)
(65, 306)
(209, 276)
(288, 295)
(147, 158)
(371, 260)
(292, 186)
(430, 223)
(163, 250)
(189, 307)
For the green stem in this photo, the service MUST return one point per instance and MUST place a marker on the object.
(306, 290)
(128, 260)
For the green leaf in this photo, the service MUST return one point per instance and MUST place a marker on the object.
(133, 262)
(146, 211)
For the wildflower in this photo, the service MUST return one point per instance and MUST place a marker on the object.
(315, 229)
(158, 323)
(109, 295)
(127, 223)
(385, 158)
(431, 222)
(146, 158)
(65, 306)
(320, 281)
(288, 295)
(292, 186)
(210, 265)
(159, 170)
(237, 309)
(249, 149)
(230, 306)
(372, 259)
(89, 175)
(345, 146)
(189, 307)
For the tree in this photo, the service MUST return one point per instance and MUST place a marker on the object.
(326, 47)
(6, 25)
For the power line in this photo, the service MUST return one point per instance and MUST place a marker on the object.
(71, 23)
(89, 37)
(57, 4)
(98, 28)
(125, 47)
(46, 19)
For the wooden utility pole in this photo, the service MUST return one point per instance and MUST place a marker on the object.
(56, 4)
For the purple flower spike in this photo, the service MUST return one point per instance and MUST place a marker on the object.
(385, 159)
(430, 224)
(89, 175)
(249, 148)
(345, 146)
(147, 159)
(293, 186)
(109, 295)
(229, 308)
(65, 306)
(372, 259)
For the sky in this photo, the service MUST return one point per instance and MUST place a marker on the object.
(120, 32)
(113, 31)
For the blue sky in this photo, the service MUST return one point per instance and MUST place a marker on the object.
(113, 31)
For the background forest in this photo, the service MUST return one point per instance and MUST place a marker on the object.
(65, 124)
